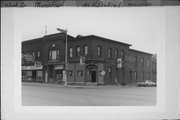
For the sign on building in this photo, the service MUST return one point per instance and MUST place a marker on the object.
(119, 63)
(29, 58)
(91, 66)
(82, 60)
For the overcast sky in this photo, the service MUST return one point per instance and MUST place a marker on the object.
(136, 26)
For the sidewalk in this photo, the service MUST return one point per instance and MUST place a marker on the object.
(71, 86)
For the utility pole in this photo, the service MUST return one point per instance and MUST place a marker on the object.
(65, 31)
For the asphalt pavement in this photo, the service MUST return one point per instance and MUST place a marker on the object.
(40, 94)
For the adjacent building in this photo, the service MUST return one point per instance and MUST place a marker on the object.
(91, 60)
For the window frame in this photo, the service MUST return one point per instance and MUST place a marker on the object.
(78, 51)
(57, 55)
(70, 52)
(99, 51)
(109, 53)
(85, 50)
(116, 53)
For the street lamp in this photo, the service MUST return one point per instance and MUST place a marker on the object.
(65, 31)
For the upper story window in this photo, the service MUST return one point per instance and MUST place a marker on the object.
(77, 51)
(70, 52)
(85, 50)
(99, 49)
(142, 61)
(122, 54)
(53, 55)
(38, 54)
(148, 63)
(135, 60)
(109, 53)
(116, 53)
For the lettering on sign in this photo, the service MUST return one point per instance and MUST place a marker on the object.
(91, 66)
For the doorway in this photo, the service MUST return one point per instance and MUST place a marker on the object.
(93, 76)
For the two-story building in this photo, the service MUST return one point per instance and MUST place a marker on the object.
(106, 61)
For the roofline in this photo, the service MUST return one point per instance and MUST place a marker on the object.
(41, 38)
(140, 51)
(104, 39)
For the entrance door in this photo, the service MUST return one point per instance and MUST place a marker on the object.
(93, 76)
(50, 74)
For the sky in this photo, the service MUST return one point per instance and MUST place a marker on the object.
(136, 26)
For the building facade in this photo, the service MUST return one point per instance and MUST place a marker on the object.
(90, 60)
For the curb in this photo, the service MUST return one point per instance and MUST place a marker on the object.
(69, 86)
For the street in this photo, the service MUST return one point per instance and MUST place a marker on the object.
(58, 95)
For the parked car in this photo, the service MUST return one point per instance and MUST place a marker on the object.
(146, 83)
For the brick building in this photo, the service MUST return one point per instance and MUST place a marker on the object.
(105, 61)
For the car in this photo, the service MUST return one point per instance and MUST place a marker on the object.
(146, 83)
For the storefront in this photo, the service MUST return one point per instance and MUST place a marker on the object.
(32, 73)
(54, 73)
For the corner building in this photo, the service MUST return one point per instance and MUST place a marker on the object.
(105, 61)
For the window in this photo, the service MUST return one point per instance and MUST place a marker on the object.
(135, 61)
(38, 54)
(70, 52)
(80, 73)
(142, 75)
(85, 50)
(148, 63)
(109, 71)
(69, 73)
(109, 53)
(142, 61)
(116, 53)
(99, 51)
(53, 55)
(122, 54)
(77, 51)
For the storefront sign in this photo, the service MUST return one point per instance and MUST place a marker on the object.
(32, 67)
(59, 67)
(91, 66)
